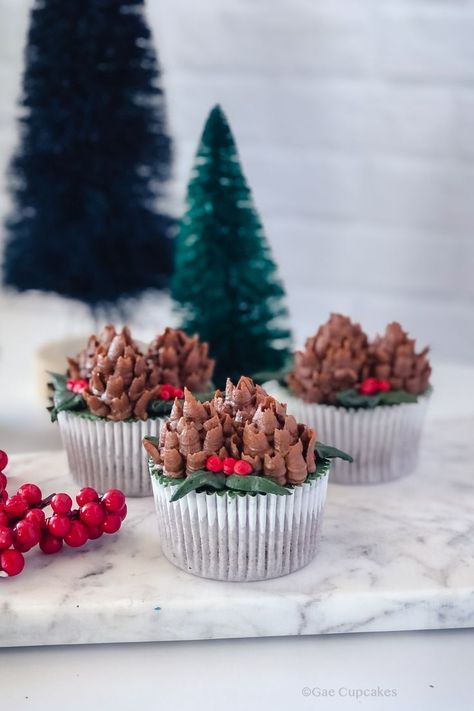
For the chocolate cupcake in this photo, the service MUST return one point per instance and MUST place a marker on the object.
(114, 393)
(367, 397)
(239, 485)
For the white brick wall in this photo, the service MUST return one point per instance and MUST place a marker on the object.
(355, 121)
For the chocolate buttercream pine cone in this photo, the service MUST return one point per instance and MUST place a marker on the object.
(245, 423)
(181, 360)
(83, 364)
(335, 359)
(120, 383)
(393, 357)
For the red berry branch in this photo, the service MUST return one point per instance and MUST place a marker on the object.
(23, 523)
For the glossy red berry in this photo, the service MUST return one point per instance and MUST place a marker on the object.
(113, 500)
(94, 532)
(3, 496)
(85, 495)
(3, 481)
(12, 562)
(36, 516)
(123, 512)
(384, 386)
(61, 503)
(229, 464)
(370, 386)
(214, 463)
(77, 535)
(243, 468)
(31, 493)
(179, 393)
(4, 520)
(50, 544)
(59, 525)
(3, 460)
(112, 523)
(15, 506)
(26, 535)
(6, 537)
(92, 514)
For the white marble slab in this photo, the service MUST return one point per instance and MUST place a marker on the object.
(398, 556)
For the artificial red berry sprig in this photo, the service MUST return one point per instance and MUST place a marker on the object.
(23, 523)
(169, 392)
(372, 386)
(77, 385)
(228, 465)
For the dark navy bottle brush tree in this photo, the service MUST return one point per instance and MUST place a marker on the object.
(93, 157)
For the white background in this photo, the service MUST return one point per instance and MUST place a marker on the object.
(355, 122)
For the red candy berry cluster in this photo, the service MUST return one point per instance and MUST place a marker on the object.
(372, 386)
(228, 465)
(23, 523)
(169, 392)
(77, 385)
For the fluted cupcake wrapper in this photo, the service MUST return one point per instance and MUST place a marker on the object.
(384, 441)
(108, 455)
(241, 538)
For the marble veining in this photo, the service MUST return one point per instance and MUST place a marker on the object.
(395, 556)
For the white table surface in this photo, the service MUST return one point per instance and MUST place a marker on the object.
(429, 670)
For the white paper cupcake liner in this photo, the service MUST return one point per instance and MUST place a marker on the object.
(383, 441)
(108, 455)
(241, 538)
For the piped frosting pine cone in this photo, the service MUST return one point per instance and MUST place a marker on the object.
(393, 358)
(244, 422)
(120, 384)
(335, 359)
(82, 365)
(181, 360)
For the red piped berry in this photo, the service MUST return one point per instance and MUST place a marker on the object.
(77, 385)
(15, 506)
(50, 544)
(243, 468)
(214, 463)
(370, 386)
(77, 535)
(384, 386)
(113, 500)
(3, 460)
(179, 393)
(229, 464)
(12, 562)
(31, 493)
(166, 392)
(85, 495)
(61, 503)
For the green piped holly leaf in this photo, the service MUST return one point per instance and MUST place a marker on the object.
(201, 478)
(160, 408)
(58, 380)
(255, 485)
(66, 400)
(154, 440)
(397, 397)
(353, 398)
(325, 451)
